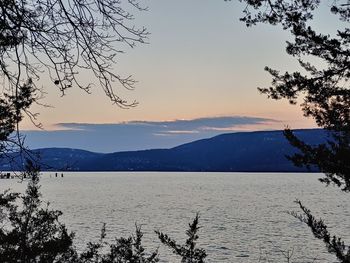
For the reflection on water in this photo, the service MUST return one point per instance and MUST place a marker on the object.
(243, 216)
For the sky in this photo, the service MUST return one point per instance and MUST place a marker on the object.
(139, 135)
(201, 66)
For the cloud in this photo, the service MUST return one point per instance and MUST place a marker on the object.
(182, 132)
(209, 123)
(137, 135)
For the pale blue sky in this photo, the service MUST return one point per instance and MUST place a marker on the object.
(201, 61)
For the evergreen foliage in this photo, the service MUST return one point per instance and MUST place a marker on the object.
(62, 38)
(334, 244)
(324, 90)
(50, 34)
(124, 250)
(188, 252)
(31, 232)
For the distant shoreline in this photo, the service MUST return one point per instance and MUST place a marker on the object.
(245, 152)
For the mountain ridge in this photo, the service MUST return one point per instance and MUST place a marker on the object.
(258, 151)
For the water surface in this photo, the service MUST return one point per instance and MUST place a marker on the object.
(243, 215)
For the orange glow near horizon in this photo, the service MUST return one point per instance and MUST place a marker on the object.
(193, 67)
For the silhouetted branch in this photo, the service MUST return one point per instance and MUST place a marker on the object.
(334, 244)
(67, 38)
(188, 252)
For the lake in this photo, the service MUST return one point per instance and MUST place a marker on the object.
(243, 216)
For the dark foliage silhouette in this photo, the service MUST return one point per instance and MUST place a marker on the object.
(331, 158)
(11, 113)
(188, 252)
(123, 250)
(31, 232)
(334, 244)
(324, 90)
(60, 42)
(65, 38)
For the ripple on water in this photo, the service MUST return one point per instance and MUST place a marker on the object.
(243, 216)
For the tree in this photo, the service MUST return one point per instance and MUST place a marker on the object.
(324, 90)
(124, 250)
(189, 253)
(60, 39)
(31, 233)
(66, 37)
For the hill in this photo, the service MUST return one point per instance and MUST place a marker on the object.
(262, 151)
